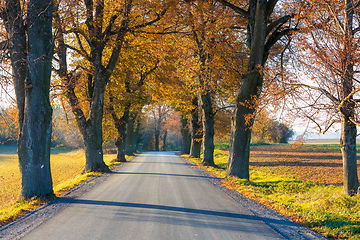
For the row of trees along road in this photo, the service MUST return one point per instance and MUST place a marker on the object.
(200, 57)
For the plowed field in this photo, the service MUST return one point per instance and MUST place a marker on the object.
(316, 163)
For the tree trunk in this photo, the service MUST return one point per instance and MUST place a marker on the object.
(348, 128)
(120, 144)
(185, 135)
(35, 133)
(163, 147)
(93, 141)
(348, 150)
(120, 125)
(238, 163)
(157, 139)
(196, 131)
(208, 129)
(131, 138)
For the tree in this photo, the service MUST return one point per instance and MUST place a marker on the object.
(30, 43)
(185, 135)
(159, 114)
(329, 55)
(265, 27)
(131, 100)
(268, 129)
(132, 133)
(196, 130)
(97, 32)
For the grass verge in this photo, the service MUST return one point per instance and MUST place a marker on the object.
(66, 168)
(320, 207)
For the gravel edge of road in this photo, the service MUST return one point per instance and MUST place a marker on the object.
(283, 225)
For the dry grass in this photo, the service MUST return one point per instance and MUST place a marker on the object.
(64, 166)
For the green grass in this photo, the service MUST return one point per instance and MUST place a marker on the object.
(323, 208)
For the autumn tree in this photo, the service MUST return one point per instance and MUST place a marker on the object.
(327, 91)
(132, 133)
(205, 34)
(265, 26)
(9, 127)
(185, 135)
(159, 114)
(267, 129)
(30, 44)
(92, 29)
(126, 94)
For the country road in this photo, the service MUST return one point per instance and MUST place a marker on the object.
(159, 196)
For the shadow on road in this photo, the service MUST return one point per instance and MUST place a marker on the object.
(172, 209)
(165, 174)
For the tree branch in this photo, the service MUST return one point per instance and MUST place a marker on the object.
(107, 32)
(279, 22)
(4, 45)
(348, 98)
(152, 21)
(318, 125)
(238, 10)
(270, 7)
(78, 51)
(325, 92)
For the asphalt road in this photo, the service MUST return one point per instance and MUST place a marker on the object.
(155, 196)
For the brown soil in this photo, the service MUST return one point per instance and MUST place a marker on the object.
(311, 164)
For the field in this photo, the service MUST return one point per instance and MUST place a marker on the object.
(66, 167)
(317, 163)
(302, 182)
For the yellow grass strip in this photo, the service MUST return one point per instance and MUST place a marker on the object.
(66, 168)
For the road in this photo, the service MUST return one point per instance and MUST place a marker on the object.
(155, 196)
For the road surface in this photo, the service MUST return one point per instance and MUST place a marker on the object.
(155, 196)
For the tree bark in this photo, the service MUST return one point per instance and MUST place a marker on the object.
(120, 125)
(35, 112)
(157, 139)
(238, 163)
(185, 135)
(208, 129)
(196, 131)
(120, 144)
(131, 137)
(348, 128)
(348, 150)
(163, 147)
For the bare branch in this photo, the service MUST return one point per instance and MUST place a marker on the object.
(325, 92)
(223, 108)
(337, 20)
(318, 125)
(4, 45)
